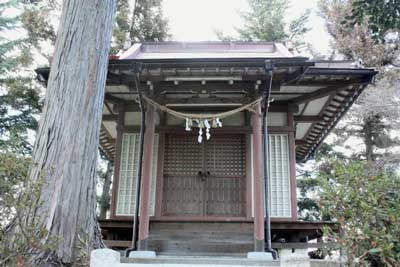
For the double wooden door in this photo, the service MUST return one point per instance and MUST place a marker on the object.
(207, 179)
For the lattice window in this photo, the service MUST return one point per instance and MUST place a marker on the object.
(128, 174)
(226, 156)
(279, 174)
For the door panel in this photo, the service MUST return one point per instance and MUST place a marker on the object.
(183, 189)
(219, 190)
(225, 184)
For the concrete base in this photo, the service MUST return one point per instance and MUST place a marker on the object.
(104, 258)
(297, 258)
(142, 254)
(255, 255)
(143, 244)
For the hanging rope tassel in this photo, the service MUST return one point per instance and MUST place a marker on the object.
(188, 125)
(219, 123)
(200, 138)
(208, 126)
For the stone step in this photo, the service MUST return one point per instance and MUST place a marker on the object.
(204, 254)
(111, 258)
(199, 261)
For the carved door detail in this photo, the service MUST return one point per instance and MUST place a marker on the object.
(207, 179)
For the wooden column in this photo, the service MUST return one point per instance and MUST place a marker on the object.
(145, 194)
(117, 160)
(258, 191)
(292, 161)
(160, 166)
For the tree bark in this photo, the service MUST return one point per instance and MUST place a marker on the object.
(65, 152)
(105, 194)
(368, 139)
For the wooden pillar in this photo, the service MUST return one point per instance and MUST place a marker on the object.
(145, 194)
(292, 161)
(258, 172)
(117, 160)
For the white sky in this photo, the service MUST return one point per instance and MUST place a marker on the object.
(196, 20)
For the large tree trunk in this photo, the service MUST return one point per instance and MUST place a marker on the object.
(368, 129)
(67, 141)
(105, 195)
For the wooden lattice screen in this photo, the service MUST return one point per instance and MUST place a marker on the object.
(128, 174)
(279, 175)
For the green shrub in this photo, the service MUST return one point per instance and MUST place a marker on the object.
(365, 200)
(21, 235)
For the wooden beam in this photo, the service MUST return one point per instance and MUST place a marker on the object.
(305, 118)
(280, 129)
(132, 108)
(283, 107)
(237, 86)
(204, 102)
(113, 99)
(110, 117)
(224, 130)
(300, 245)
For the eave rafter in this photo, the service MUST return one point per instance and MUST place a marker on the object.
(319, 130)
(107, 143)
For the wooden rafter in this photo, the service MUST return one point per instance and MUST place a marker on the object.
(107, 143)
(329, 90)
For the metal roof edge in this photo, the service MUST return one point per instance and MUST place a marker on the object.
(132, 51)
(340, 71)
(208, 42)
(215, 62)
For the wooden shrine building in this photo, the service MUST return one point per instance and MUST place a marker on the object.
(208, 197)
